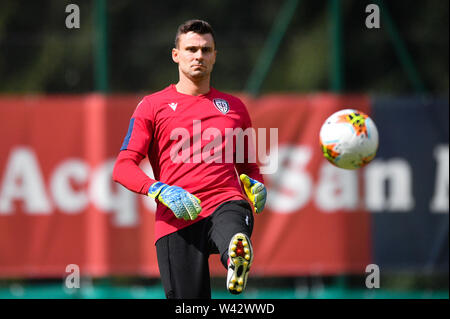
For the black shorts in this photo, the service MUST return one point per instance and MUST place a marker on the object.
(183, 255)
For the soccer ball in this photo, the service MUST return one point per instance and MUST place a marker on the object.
(349, 139)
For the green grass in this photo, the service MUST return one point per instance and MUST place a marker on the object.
(106, 291)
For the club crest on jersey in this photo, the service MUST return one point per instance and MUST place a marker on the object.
(221, 105)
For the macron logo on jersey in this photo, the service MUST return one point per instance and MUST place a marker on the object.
(173, 106)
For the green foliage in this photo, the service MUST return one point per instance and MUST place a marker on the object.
(39, 54)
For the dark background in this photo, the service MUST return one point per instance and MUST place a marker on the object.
(38, 54)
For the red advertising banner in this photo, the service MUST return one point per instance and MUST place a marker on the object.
(59, 206)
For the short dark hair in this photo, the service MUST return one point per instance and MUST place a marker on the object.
(197, 26)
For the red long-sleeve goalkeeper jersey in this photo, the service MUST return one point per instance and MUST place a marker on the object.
(191, 142)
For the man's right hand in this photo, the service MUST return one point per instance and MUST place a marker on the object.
(182, 203)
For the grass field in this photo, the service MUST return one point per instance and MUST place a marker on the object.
(258, 288)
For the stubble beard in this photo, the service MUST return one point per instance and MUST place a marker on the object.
(198, 75)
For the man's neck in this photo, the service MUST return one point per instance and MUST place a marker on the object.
(186, 86)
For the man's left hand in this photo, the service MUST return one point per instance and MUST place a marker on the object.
(256, 192)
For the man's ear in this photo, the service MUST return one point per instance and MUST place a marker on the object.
(175, 55)
(215, 56)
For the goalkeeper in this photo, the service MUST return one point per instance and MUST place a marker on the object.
(203, 206)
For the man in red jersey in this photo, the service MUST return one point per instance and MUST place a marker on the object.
(186, 130)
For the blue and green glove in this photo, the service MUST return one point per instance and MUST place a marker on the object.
(181, 203)
(256, 192)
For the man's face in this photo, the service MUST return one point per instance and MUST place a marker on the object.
(195, 55)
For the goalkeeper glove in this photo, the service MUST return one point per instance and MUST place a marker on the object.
(181, 203)
(255, 191)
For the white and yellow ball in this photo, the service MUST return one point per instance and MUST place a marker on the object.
(349, 139)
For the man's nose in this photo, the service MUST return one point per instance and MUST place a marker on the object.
(198, 54)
